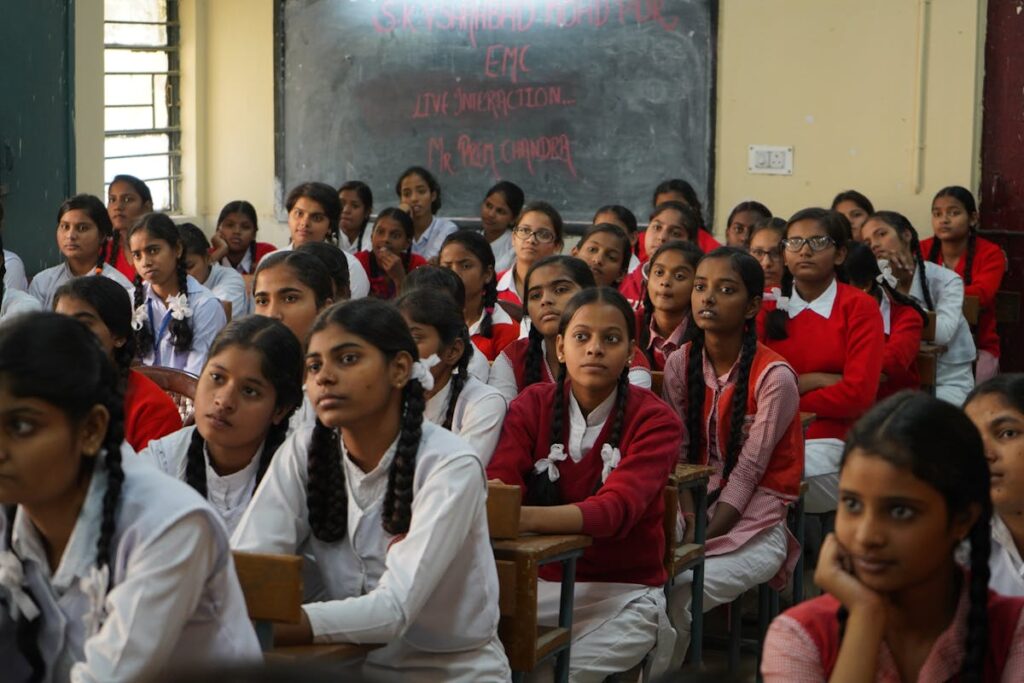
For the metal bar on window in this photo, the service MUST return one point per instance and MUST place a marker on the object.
(140, 23)
(171, 153)
(132, 132)
(141, 73)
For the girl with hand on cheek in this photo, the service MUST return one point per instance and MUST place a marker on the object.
(390, 257)
(498, 213)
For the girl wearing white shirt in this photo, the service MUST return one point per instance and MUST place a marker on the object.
(14, 275)
(457, 401)
(13, 301)
(391, 506)
(420, 194)
(249, 387)
(223, 282)
(112, 571)
(175, 318)
(83, 232)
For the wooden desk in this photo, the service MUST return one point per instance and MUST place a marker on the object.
(694, 478)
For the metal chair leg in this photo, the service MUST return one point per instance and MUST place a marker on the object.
(735, 633)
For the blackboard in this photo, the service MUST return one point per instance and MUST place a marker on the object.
(580, 102)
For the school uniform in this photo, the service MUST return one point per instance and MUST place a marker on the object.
(174, 598)
(1005, 562)
(954, 376)
(46, 282)
(207, 320)
(229, 494)
(431, 594)
(227, 285)
(479, 412)
(506, 286)
(902, 326)
(247, 266)
(149, 413)
(634, 263)
(622, 574)
(350, 247)
(839, 332)
(17, 302)
(381, 285)
(14, 272)
(504, 252)
(761, 486)
(428, 245)
(358, 281)
(508, 372)
(122, 264)
(504, 331)
(803, 644)
(633, 286)
(659, 348)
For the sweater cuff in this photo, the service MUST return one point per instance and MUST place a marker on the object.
(596, 521)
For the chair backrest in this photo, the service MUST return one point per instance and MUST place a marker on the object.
(668, 521)
(272, 586)
(972, 307)
(927, 362)
(657, 381)
(179, 385)
(504, 503)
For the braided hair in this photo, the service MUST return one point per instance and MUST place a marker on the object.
(114, 308)
(540, 490)
(327, 501)
(689, 195)
(3, 260)
(326, 197)
(281, 364)
(365, 195)
(904, 229)
(964, 196)
(97, 213)
(692, 254)
(480, 248)
(862, 269)
(249, 211)
(434, 307)
(577, 271)
(141, 189)
(939, 445)
(159, 226)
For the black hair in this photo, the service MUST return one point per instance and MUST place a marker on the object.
(627, 217)
(382, 326)
(97, 213)
(540, 490)
(283, 366)
(335, 263)
(193, 241)
(693, 254)
(689, 195)
(429, 178)
(939, 445)
(249, 211)
(691, 219)
(405, 221)
(754, 206)
(1009, 386)
(775, 224)
(551, 212)
(58, 360)
(580, 273)
(964, 196)
(306, 268)
(614, 231)
(478, 245)
(435, 277)
(3, 261)
(141, 189)
(862, 269)
(435, 307)
(902, 226)
(161, 227)
(837, 228)
(326, 197)
(114, 307)
(512, 193)
(857, 198)
(365, 195)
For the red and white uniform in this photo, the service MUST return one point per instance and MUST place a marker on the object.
(902, 326)
(504, 331)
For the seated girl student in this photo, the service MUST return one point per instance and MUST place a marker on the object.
(420, 196)
(175, 317)
(892, 238)
(746, 424)
(616, 214)
(356, 199)
(83, 230)
(128, 200)
(249, 387)
(224, 283)
(313, 214)
(538, 234)
(831, 333)
(498, 213)
(467, 254)
(669, 221)
(765, 245)
(105, 308)
(996, 407)
(550, 285)
(14, 273)
(898, 607)
(678, 190)
(666, 318)
(980, 263)
(112, 571)
(235, 237)
(857, 208)
(606, 249)
(741, 222)
(902, 319)
(593, 455)
(457, 401)
(336, 264)
(391, 506)
(390, 257)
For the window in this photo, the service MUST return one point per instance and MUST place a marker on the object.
(142, 106)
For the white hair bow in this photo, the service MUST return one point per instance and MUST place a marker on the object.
(886, 273)
(12, 577)
(94, 586)
(781, 302)
(610, 456)
(178, 306)
(550, 464)
(421, 371)
(139, 317)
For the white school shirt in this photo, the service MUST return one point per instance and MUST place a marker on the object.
(1005, 561)
(17, 302)
(207, 320)
(227, 285)
(429, 243)
(951, 328)
(479, 414)
(46, 283)
(175, 597)
(229, 495)
(431, 594)
(14, 277)
(507, 283)
(504, 253)
(479, 367)
(358, 281)
(244, 266)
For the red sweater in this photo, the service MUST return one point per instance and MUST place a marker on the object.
(516, 354)
(850, 343)
(899, 361)
(625, 515)
(632, 287)
(381, 286)
(123, 264)
(502, 334)
(987, 272)
(149, 413)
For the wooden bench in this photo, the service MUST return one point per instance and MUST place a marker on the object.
(694, 478)
(972, 308)
(518, 560)
(927, 365)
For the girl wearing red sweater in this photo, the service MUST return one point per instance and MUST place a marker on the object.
(665, 317)
(743, 419)
(669, 221)
(980, 263)
(390, 256)
(831, 333)
(914, 486)
(593, 455)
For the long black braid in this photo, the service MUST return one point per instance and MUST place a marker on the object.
(534, 357)
(540, 490)
(326, 495)
(161, 227)
(459, 378)
(3, 266)
(862, 269)
(695, 398)
(738, 406)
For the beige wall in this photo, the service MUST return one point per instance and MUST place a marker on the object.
(88, 103)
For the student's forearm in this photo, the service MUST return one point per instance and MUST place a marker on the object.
(724, 520)
(858, 654)
(556, 519)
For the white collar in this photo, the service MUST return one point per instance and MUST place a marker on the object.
(437, 405)
(597, 416)
(886, 307)
(822, 305)
(231, 488)
(244, 266)
(507, 281)
(498, 317)
(1001, 535)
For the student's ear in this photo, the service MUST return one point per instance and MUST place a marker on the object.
(489, 275)
(180, 251)
(451, 355)
(560, 348)
(92, 430)
(753, 307)
(400, 369)
(119, 342)
(575, 250)
(964, 521)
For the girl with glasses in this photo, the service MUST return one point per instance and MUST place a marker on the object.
(537, 234)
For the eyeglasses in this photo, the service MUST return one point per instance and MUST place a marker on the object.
(773, 254)
(817, 243)
(542, 236)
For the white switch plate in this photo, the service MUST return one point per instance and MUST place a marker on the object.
(770, 160)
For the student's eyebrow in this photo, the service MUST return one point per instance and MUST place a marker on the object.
(335, 349)
(253, 379)
(21, 410)
(1005, 418)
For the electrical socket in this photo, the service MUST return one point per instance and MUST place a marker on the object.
(770, 160)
